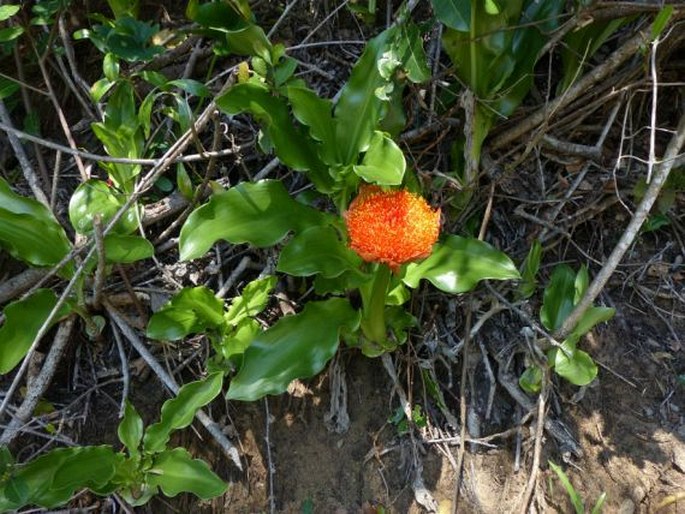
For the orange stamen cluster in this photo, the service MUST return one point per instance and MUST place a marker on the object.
(392, 227)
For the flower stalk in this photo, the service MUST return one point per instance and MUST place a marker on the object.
(373, 315)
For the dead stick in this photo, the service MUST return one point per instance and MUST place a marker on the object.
(662, 170)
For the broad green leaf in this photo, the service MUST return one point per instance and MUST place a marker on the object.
(383, 162)
(52, 479)
(29, 231)
(234, 342)
(455, 14)
(100, 89)
(23, 320)
(95, 198)
(229, 24)
(409, 47)
(7, 11)
(458, 264)
(347, 281)
(573, 495)
(179, 412)
(190, 86)
(292, 145)
(317, 250)
(574, 365)
(192, 310)
(531, 379)
(297, 346)
(558, 298)
(175, 471)
(593, 316)
(87, 466)
(10, 33)
(155, 78)
(251, 301)
(121, 107)
(359, 109)
(130, 39)
(130, 430)
(317, 114)
(260, 213)
(110, 67)
(126, 249)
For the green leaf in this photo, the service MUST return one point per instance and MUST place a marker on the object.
(87, 466)
(260, 213)
(317, 114)
(7, 88)
(251, 301)
(192, 310)
(291, 144)
(179, 412)
(574, 365)
(661, 20)
(235, 32)
(29, 231)
(95, 198)
(100, 88)
(234, 342)
(190, 86)
(175, 471)
(126, 249)
(297, 346)
(529, 270)
(7, 11)
(581, 284)
(52, 478)
(573, 495)
(317, 250)
(23, 320)
(558, 298)
(599, 504)
(183, 182)
(131, 39)
(455, 14)
(531, 379)
(110, 67)
(383, 162)
(359, 110)
(458, 264)
(130, 430)
(409, 47)
(10, 33)
(592, 317)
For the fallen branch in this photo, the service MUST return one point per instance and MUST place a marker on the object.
(662, 170)
(599, 73)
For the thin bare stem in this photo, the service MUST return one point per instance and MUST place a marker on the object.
(661, 173)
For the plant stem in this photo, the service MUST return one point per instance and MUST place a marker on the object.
(373, 323)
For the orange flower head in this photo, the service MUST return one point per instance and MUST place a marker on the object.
(393, 227)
